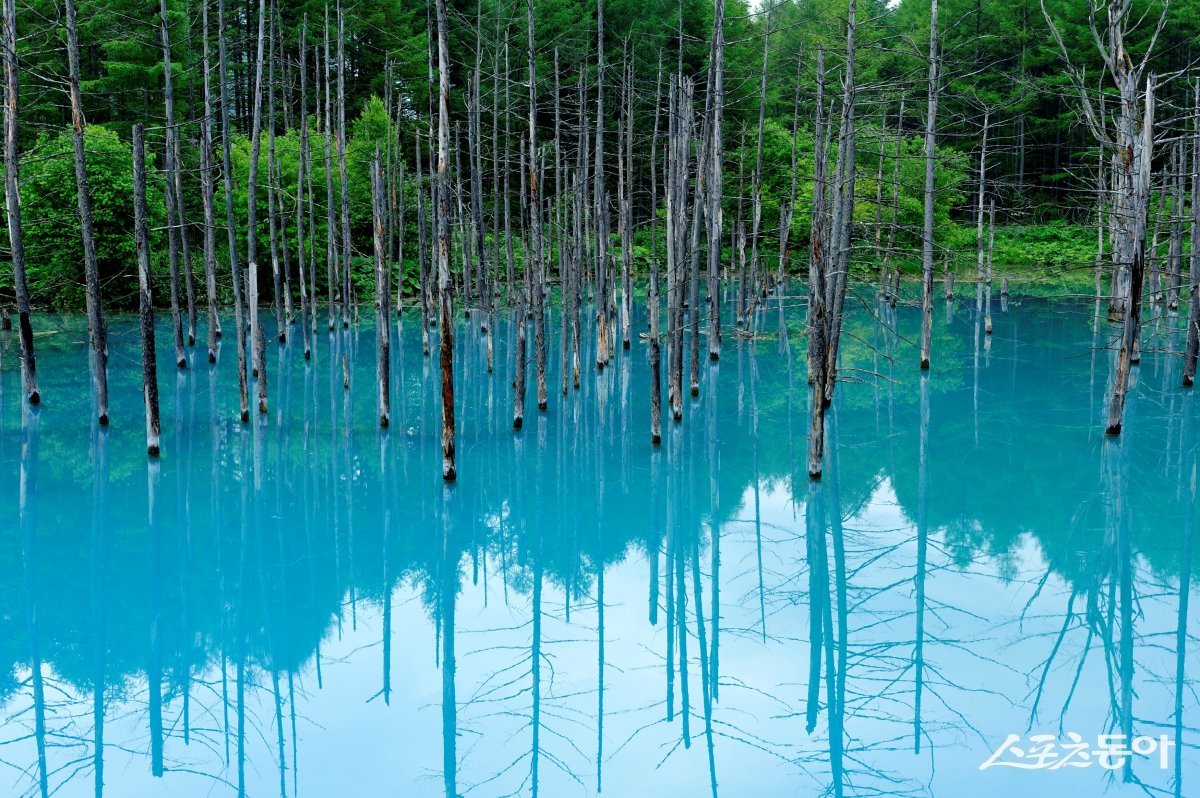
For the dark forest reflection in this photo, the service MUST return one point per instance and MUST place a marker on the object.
(300, 604)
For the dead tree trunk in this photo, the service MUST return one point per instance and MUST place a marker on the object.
(382, 297)
(341, 143)
(423, 251)
(330, 229)
(538, 276)
(303, 165)
(207, 200)
(653, 299)
(169, 152)
(756, 180)
(844, 214)
(1133, 311)
(145, 299)
(446, 333)
(930, 191)
(256, 333)
(227, 146)
(716, 180)
(12, 165)
(272, 223)
(1193, 323)
(980, 199)
(600, 202)
(97, 331)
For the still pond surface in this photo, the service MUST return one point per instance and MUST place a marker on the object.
(299, 607)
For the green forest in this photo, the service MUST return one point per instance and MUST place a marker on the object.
(998, 59)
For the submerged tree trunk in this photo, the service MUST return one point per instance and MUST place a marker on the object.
(716, 181)
(1193, 323)
(1133, 310)
(12, 162)
(653, 300)
(170, 199)
(227, 154)
(97, 331)
(145, 299)
(446, 317)
(207, 200)
(341, 142)
(303, 165)
(382, 297)
(256, 333)
(930, 191)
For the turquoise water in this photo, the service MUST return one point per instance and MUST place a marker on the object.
(299, 606)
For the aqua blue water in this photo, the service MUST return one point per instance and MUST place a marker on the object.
(299, 606)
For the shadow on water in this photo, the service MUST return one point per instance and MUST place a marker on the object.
(300, 603)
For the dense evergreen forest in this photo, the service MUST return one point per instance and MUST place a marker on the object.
(299, 161)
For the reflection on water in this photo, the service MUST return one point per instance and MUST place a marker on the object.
(300, 606)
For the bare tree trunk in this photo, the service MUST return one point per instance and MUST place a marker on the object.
(256, 333)
(446, 333)
(97, 330)
(818, 236)
(1193, 323)
(979, 201)
(170, 199)
(756, 180)
(600, 200)
(930, 191)
(304, 164)
(272, 226)
(206, 196)
(509, 258)
(423, 252)
(842, 232)
(12, 165)
(341, 143)
(538, 277)
(145, 299)
(653, 299)
(330, 229)
(1133, 310)
(382, 297)
(231, 229)
(1175, 250)
(891, 240)
(987, 269)
(716, 182)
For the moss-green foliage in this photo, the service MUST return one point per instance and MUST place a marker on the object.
(53, 242)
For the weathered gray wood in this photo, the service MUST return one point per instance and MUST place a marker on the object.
(207, 201)
(273, 225)
(930, 189)
(538, 276)
(145, 298)
(600, 202)
(345, 182)
(170, 200)
(716, 181)
(12, 165)
(446, 317)
(653, 299)
(97, 331)
(303, 165)
(1133, 310)
(231, 229)
(1192, 347)
(382, 297)
(256, 333)
(331, 268)
(981, 193)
